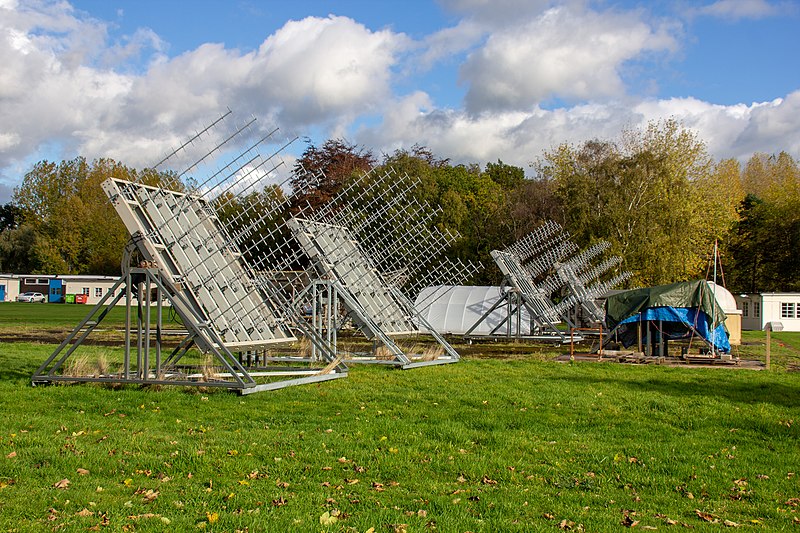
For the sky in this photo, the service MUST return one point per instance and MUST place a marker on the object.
(475, 81)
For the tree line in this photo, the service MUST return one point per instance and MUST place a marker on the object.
(654, 193)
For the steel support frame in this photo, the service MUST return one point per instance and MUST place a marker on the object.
(333, 271)
(142, 341)
(326, 296)
(514, 300)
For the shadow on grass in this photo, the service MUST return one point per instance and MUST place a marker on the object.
(759, 390)
(17, 363)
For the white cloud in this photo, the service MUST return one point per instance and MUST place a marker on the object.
(772, 126)
(64, 83)
(59, 83)
(316, 69)
(520, 137)
(500, 13)
(568, 54)
(449, 42)
(740, 9)
(49, 89)
(736, 130)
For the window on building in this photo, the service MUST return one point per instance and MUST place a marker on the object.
(756, 309)
(787, 310)
(98, 292)
(745, 309)
(85, 291)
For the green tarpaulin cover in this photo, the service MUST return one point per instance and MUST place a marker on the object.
(690, 294)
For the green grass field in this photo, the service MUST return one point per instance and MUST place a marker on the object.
(488, 444)
(53, 316)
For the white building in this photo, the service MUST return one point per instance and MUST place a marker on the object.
(758, 309)
(9, 287)
(56, 287)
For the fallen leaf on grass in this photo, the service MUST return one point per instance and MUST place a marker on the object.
(11, 455)
(667, 520)
(399, 528)
(377, 486)
(487, 481)
(84, 512)
(706, 517)
(150, 495)
(140, 516)
(63, 484)
(212, 517)
(730, 523)
(350, 481)
(281, 484)
(329, 517)
(82, 471)
(548, 516)
(279, 502)
(566, 525)
(343, 460)
(627, 519)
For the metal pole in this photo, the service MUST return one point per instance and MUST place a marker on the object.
(126, 364)
(147, 300)
(159, 317)
(769, 344)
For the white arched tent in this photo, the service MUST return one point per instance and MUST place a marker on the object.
(454, 309)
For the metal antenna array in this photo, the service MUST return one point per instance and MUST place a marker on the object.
(542, 268)
(373, 247)
(200, 247)
(395, 231)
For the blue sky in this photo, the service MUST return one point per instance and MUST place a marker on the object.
(474, 80)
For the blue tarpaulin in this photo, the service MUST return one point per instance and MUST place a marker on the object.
(689, 317)
(685, 308)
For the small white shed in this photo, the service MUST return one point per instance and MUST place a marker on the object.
(758, 309)
(9, 287)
